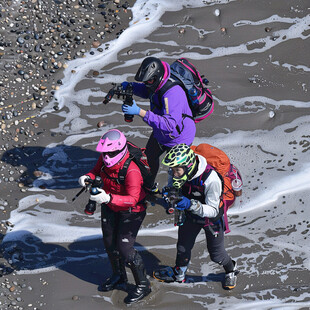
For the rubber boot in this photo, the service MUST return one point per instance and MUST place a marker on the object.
(143, 286)
(119, 276)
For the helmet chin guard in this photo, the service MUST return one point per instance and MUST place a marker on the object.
(181, 155)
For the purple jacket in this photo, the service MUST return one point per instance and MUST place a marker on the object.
(166, 119)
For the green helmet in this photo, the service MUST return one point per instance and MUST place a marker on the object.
(181, 155)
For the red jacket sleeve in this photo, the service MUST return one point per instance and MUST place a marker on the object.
(96, 170)
(133, 186)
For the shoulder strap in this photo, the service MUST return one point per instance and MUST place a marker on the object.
(169, 84)
(123, 172)
(203, 177)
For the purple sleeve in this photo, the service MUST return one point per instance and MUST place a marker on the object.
(140, 90)
(173, 115)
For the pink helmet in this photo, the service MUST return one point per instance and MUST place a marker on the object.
(113, 146)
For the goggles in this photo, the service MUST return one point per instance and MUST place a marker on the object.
(111, 154)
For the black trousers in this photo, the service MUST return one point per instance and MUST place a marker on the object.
(119, 231)
(153, 152)
(186, 239)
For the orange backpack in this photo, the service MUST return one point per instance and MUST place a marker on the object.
(229, 173)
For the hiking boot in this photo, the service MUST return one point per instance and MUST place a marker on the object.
(230, 280)
(170, 274)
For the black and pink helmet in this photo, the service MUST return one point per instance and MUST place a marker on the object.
(113, 146)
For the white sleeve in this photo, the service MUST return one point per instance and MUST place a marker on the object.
(212, 191)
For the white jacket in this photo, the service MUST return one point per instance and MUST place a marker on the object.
(212, 191)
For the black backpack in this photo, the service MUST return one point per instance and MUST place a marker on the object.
(200, 100)
(137, 154)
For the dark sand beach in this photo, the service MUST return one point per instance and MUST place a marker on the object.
(39, 38)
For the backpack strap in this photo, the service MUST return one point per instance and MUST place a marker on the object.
(122, 172)
(223, 208)
(169, 84)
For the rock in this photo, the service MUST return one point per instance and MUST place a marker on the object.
(37, 173)
(36, 96)
(217, 12)
(37, 48)
(100, 124)
(223, 30)
(96, 44)
(20, 40)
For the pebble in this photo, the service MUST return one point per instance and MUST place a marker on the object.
(223, 30)
(100, 124)
(254, 80)
(96, 44)
(217, 12)
(20, 40)
(37, 173)
(271, 114)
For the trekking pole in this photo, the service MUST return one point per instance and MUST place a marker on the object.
(79, 193)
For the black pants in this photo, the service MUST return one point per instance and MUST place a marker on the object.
(153, 152)
(186, 239)
(119, 231)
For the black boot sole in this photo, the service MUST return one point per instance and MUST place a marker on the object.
(128, 302)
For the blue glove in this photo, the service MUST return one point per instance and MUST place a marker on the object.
(184, 204)
(131, 110)
(124, 85)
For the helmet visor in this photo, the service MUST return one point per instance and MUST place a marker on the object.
(111, 135)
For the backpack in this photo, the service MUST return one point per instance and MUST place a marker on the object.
(184, 74)
(137, 154)
(227, 172)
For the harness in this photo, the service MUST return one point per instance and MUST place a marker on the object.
(195, 190)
